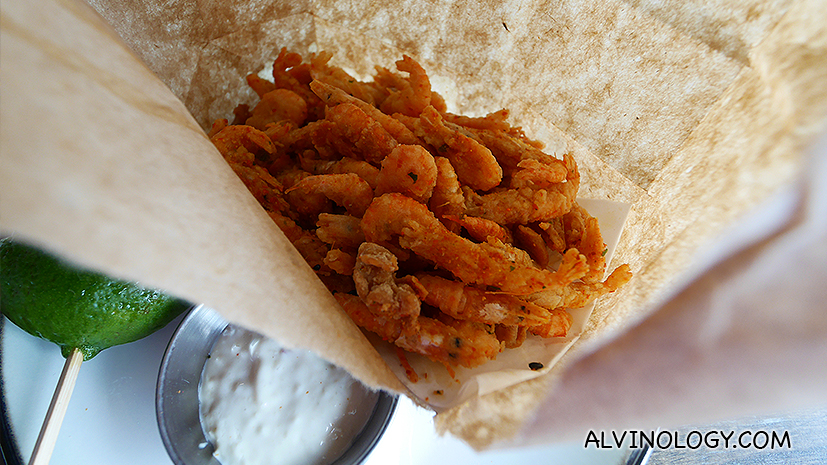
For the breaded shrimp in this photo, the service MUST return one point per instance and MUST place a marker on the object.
(410, 95)
(472, 161)
(340, 261)
(260, 86)
(570, 187)
(340, 230)
(337, 77)
(347, 190)
(395, 215)
(354, 133)
(362, 168)
(468, 303)
(516, 206)
(580, 294)
(532, 242)
(217, 126)
(527, 204)
(511, 336)
(557, 326)
(481, 229)
(553, 234)
(388, 328)
(375, 277)
(266, 189)
(510, 150)
(410, 170)
(583, 233)
(309, 246)
(306, 205)
(533, 173)
(230, 138)
(447, 198)
(290, 73)
(495, 121)
(276, 106)
(334, 96)
(450, 342)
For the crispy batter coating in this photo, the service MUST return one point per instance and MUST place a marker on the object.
(473, 162)
(375, 277)
(347, 190)
(433, 230)
(410, 170)
(276, 106)
(470, 303)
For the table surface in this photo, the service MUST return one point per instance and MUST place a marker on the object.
(111, 416)
(111, 419)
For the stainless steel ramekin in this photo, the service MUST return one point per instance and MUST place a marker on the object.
(176, 397)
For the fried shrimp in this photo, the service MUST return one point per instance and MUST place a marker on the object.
(580, 294)
(481, 229)
(276, 106)
(517, 206)
(260, 86)
(532, 242)
(447, 198)
(407, 96)
(472, 161)
(449, 236)
(468, 303)
(452, 342)
(356, 134)
(340, 261)
(410, 170)
(386, 327)
(344, 165)
(290, 73)
(375, 277)
(511, 336)
(230, 138)
(532, 173)
(309, 246)
(347, 190)
(303, 204)
(584, 234)
(335, 76)
(266, 189)
(557, 326)
(510, 151)
(395, 215)
(217, 126)
(491, 121)
(448, 341)
(335, 96)
(340, 230)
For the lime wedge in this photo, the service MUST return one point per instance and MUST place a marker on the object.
(77, 308)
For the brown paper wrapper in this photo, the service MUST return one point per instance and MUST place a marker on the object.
(692, 112)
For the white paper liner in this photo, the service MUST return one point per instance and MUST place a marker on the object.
(439, 391)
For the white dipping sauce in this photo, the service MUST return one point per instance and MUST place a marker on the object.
(262, 404)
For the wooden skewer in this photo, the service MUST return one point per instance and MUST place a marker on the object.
(45, 444)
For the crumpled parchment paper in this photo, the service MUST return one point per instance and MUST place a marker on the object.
(695, 113)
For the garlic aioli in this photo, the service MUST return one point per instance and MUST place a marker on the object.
(263, 404)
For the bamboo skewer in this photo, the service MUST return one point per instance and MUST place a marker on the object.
(45, 444)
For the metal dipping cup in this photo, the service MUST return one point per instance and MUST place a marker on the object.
(176, 397)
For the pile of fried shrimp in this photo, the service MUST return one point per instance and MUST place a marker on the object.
(449, 236)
